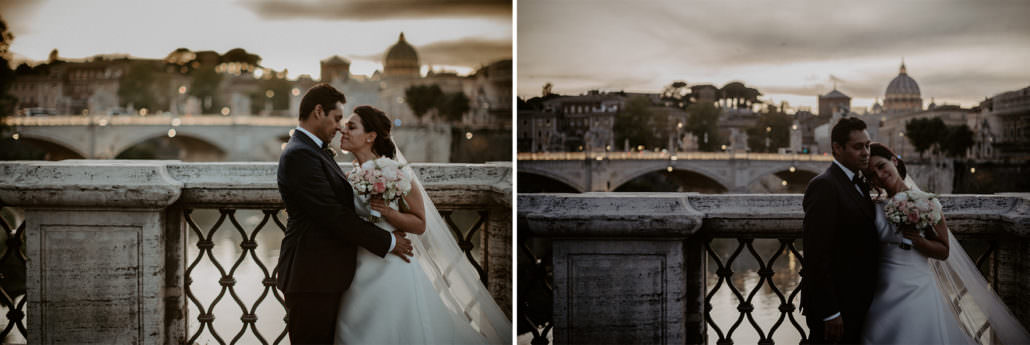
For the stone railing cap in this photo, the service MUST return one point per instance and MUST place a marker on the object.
(88, 183)
(609, 215)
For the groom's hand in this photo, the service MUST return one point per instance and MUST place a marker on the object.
(403, 248)
(834, 329)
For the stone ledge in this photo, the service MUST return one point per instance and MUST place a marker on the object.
(84, 183)
(157, 184)
(763, 215)
(609, 215)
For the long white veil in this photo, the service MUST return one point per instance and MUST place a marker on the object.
(454, 278)
(979, 310)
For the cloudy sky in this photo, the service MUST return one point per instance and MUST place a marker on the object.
(791, 50)
(457, 35)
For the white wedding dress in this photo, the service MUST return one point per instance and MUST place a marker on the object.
(908, 307)
(437, 298)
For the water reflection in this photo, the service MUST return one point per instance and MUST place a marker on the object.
(249, 275)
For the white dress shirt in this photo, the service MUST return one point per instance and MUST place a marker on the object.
(318, 142)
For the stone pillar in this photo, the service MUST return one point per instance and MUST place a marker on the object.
(96, 247)
(1013, 262)
(621, 266)
(498, 257)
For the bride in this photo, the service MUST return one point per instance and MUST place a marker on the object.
(437, 298)
(931, 293)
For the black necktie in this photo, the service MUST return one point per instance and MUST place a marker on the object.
(860, 182)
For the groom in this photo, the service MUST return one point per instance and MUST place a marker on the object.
(840, 241)
(318, 254)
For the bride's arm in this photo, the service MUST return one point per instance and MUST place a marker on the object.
(412, 220)
(935, 245)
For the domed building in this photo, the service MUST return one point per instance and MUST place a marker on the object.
(401, 61)
(902, 94)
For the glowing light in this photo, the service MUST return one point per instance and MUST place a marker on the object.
(295, 92)
(971, 170)
(674, 158)
(396, 122)
(468, 135)
(669, 168)
(608, 147)
(176, 122)
(794, 127)
(793, 169)
(784, 183)
(640, 147)
(171, 133)
(103, 122)
(768, 129)
(269, 93)
(599, 158)
(724, 147)
(143, 112)
(182, 89)
(15, 136)
(291, 132)
(581, 147)
(679, 125)
(225, 111)
(901, 134)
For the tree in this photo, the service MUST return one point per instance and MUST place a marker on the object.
(639, 123)
(422, 98)
(772, 124)
(703, 122)
(958, 140)
(136, 86)
(204, 86)
(7, 74)
(677, 94)
(453, 106)
(925, 134)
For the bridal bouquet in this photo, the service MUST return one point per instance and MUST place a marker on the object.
(916, 208)
(382, 177)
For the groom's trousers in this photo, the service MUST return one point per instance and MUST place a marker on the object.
(311, 317)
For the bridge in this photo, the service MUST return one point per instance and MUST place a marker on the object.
(734, 172)
(199, 137)
(607, 171)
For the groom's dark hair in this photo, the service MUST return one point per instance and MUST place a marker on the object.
(842, 130)
(323, 94)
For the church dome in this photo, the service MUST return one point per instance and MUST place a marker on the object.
(401, 60)
(903, 93)
(902, 85)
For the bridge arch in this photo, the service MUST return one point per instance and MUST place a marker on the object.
(578, 187)
(50, 144)
(143, 134)
(802, 172)
(638, 170)
(197, 149)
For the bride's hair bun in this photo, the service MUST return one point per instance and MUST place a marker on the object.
(376, 120)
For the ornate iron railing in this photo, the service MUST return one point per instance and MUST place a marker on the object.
(12, 275)
(209, 241)
(536, 288)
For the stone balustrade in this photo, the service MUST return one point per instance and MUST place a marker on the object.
(632, 267)
(106, 240)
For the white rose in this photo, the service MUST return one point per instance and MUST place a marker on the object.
(923, 205)
(390, 173)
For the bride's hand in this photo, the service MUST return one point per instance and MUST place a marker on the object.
(378, 204)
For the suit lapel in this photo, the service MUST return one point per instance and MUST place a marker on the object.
(305, 140)
(861, 201)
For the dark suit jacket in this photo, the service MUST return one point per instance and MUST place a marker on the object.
(319, 251)
(841, 249)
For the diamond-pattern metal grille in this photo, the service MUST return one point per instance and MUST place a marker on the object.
(787, 300)
(12, 275)
(249, 239)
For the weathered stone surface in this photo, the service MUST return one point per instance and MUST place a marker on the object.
(608, 251)
(609, 214)
(83, 183)
(105, 238)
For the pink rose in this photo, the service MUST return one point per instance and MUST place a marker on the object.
(380, 187)
(913, 217)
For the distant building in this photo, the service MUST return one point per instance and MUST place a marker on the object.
(1004, 126)
(833, 102)
(588, 121)
(902, 94)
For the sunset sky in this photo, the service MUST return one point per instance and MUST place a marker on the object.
(454, 35)
(958, 51)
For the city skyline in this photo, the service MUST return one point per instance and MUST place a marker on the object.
(455, 36)
(793, 51)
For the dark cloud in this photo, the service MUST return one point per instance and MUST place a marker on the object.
(466, 52)
(379, 9)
